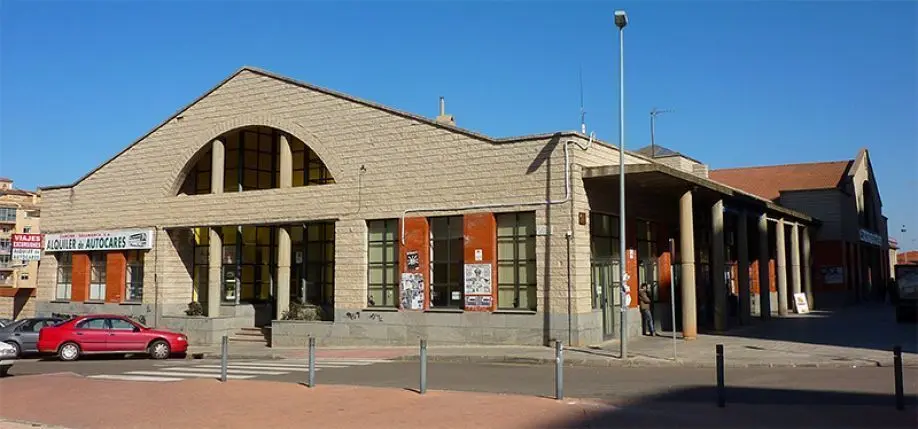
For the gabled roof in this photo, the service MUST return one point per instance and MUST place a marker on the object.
(332, 93)
(769, 181)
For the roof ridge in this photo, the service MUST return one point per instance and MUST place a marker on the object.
(794, 164)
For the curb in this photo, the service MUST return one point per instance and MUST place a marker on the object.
(22, 424)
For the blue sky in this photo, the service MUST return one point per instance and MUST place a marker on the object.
(752, 82)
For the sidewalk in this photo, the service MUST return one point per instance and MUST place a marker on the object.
(246, 404)
(851, 337)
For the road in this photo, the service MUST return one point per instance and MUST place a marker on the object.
(824, 386)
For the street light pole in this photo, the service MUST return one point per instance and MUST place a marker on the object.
(653, 116)
(621, 20)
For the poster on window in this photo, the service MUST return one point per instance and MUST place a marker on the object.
(412, 291)
(478, 279)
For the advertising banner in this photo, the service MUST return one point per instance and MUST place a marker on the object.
(26, 247)
(125, 239)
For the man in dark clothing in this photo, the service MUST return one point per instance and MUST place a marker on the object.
(646, 315)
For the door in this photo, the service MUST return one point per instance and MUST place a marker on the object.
(92, 335)
(124, 337)
(27, 333)
(608, 296)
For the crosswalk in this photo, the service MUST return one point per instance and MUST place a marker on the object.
(236, 370)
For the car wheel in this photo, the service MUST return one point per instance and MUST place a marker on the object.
(69, 352)
(159, 349)
(16, 346)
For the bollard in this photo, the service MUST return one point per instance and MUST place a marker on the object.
(721, 394)
(224, 351)
(423, 387)
(897, 365)
(312, 362)
(559, 370)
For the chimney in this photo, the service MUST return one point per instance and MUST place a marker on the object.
(443, 118)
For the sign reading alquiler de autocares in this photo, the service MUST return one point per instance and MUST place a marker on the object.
(122, 239)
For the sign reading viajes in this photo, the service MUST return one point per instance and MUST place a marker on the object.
(124, 239)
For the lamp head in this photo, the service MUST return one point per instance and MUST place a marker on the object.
(621, 19)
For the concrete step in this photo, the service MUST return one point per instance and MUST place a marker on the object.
(248, 339)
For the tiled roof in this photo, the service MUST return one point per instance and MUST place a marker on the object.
(769, 181)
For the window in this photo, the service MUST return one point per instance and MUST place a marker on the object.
(64, 276)
(26, 229)
(93, 324)
(201, 258)
(5, 245)
(133, 278)
(605, 257)
(97, 276)
(382, 266)
(516, 263)
(5, 261)
(447, 263)
(313, 246)
(121, 325)
(23, 276)
(7, 214)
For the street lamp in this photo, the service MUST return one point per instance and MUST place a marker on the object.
(653, 116)
(621, 20)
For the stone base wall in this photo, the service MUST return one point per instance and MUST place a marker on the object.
(143, 313)
(201, 331)
(362, 327)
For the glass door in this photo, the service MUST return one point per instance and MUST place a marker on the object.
(607, 292)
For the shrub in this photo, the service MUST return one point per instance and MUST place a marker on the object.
(298, 311)
(195, 309)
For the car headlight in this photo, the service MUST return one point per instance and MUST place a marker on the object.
(7, 353)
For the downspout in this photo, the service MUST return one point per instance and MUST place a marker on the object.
(157, 230)
(567, 192)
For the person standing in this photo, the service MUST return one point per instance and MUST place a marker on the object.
(646, 314)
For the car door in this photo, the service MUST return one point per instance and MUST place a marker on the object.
(125, 336)
(92, 334)
(28, 334)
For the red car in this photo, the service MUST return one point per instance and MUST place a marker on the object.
(106, 333)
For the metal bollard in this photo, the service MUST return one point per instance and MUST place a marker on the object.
(224, 351)
(559, 370)
(312, 362)
(423, 387)
(721, 394)
(897, 365)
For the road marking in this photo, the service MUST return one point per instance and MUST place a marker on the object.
(293, 365)
(215, 370)
(133, 377)
(231, 367)
(189, 374)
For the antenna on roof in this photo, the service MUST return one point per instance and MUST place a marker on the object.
(582, 112)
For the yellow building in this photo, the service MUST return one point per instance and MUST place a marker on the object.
(19, 213)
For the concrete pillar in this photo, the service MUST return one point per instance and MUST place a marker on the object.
(217, 158)
(214, 273)
(807, 268)
(283, 271)
(796, 285)
(718, 257)
(764, 283)
(781, 268)
(286, 167)
(743, 284)
(687, 254)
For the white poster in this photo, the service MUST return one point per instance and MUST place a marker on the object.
(478, 279)
(412, 291)
(25, 254)
(140, 239)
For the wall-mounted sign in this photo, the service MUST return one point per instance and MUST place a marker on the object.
(413, 260)
(125, 239)
(870, 238)
(26, 247)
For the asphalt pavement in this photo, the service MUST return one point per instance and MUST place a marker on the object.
(826, 386)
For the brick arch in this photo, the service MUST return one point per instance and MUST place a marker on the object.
(202, 139)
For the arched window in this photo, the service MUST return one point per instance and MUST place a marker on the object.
(252, 162)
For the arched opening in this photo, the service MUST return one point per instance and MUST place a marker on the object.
(252, 162)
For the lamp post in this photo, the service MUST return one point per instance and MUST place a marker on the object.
(621, 20)
(653, 116)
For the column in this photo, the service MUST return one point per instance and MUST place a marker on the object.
(214, 273)
(286, 167)
(218, 153)
(283, 270)
(744, 286)
(718, 281)
(795, 259)
(764, 283)
(687, 253)
(807, 268)
(781, 268)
